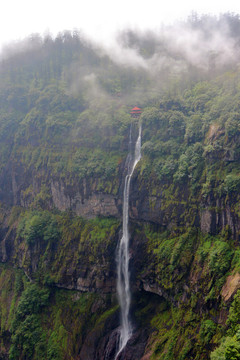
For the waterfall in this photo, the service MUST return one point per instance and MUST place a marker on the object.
(123, 276)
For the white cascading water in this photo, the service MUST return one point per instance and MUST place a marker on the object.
(123, 275)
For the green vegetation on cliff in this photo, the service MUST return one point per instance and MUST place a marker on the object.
(65, 127)
(44, 322)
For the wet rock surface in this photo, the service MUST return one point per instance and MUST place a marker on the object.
(148, 200)
(135, 347)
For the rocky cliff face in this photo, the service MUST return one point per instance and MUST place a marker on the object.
(219, 213)
(152, 201)
(160, 214)
(182, 284)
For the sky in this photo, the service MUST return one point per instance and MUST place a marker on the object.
(99, 19)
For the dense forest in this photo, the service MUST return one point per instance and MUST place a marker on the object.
(65, 124)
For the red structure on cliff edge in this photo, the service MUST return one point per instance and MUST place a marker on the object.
(135, 112)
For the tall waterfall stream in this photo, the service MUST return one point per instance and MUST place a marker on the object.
(123, 275)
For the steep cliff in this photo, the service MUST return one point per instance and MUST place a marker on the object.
(63, 149)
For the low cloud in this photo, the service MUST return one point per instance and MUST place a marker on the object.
(203, 43)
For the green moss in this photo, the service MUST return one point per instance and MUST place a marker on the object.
(217, 254)
(44, 324)
(207, 330)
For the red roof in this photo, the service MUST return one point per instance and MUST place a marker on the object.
(136, 109)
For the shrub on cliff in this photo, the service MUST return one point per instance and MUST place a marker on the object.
(232, 183)
(228, 350)
(38, 226)
(27, 333)
(207, 330)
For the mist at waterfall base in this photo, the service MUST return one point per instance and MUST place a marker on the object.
(123, 274)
